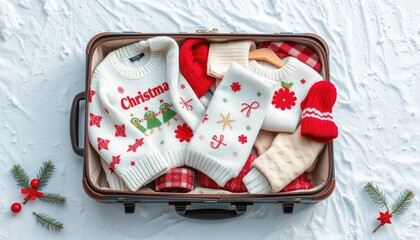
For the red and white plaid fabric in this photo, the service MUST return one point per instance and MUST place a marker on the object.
(176, 180)
(304, 53)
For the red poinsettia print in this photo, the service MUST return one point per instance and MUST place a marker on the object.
(115, 160)
(121, 90)
(102, 143)
(284, 99)
(183, 133)
(384, 217)
(235, 86)
(243, 139)
(95, 120)
(91, 93)
(120, 130)
(111, 170)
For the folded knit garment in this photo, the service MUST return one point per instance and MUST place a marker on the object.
(222, 142)
(133, 123)
(293, 80)
(222, 55)
(193, 56)
(289, 156)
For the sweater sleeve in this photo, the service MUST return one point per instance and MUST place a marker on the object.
(126, 149)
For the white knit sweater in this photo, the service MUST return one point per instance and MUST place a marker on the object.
(133, 124)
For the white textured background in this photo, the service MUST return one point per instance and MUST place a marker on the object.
(375, 64)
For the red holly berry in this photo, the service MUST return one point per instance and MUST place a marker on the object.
(16, 207)
(35, 183)
(384, 217)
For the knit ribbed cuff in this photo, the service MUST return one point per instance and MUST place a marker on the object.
(318, 130)
(175, 158)
(143, 171)
(209, 165)
(255, 182)
(114, 181)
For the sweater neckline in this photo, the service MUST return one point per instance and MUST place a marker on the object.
(136, 71)
(270, 72)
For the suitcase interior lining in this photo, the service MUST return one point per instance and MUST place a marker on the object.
(95, 173)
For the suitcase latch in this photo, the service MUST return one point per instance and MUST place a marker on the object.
(213, 31)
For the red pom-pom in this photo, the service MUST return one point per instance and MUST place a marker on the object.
(16, 207)
(35, 183)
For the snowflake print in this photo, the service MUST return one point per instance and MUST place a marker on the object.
(243, 139)
(235, 154)
(235, 87)
(115, 160)
(102, 143)
(183, 133)
(201, 137)
(284, 99)
(95, 120)
(91, 93)
(225, 100)
(258, 94)
(120, 130)
(137, 143)
(248, 128)
(121, 90)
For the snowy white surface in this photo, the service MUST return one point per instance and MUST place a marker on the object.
(375, 64)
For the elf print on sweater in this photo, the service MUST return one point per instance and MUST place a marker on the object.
(132, 122)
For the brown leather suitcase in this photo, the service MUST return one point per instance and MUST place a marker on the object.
(200, 206)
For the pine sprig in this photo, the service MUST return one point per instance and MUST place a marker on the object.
(20, 176)
(377, 196)
(404, 201)
(45, 173)
(53, 198)
(48, 222)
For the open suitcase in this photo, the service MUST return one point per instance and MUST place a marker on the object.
(199, 206)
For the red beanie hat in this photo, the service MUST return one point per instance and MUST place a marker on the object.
(193, 63)
(304, 53)
(234, 184)
(317, 120)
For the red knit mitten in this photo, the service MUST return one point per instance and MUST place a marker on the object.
(304, 53)
(299, 183)
(193, 64)
(317, 120)
(234, 184)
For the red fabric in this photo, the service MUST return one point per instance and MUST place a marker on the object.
(304, 53)
(193, 57)
(234, 184)
(317, 120)
(299, 183)
(177, 180)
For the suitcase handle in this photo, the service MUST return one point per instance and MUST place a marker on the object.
(74, 124)
(211, 214)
